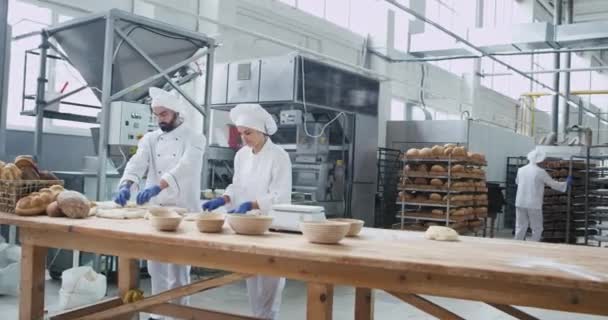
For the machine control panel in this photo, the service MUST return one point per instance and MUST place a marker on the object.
(128, 123)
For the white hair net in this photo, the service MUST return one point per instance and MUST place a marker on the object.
(165, 99)
(536, 156)
(253, 116)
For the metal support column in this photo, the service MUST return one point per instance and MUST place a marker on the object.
(40, 103)
(567, 65)
(5, 45)
(557, 19)
(207, 116)
(106, 92)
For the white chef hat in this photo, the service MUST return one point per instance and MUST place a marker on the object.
(536, 156)
(253, 116)
(165, 99)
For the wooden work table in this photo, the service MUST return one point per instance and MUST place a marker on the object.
(499, 272)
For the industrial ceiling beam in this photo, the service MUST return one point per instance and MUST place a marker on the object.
(476, 48)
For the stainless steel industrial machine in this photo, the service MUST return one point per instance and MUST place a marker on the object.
(327, 120)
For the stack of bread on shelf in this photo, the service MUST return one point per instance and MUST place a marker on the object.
(441, 181)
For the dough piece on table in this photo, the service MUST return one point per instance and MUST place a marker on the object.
(121, 213)
(440, 233)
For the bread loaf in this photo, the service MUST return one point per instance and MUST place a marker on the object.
(437, 169)
(437, 151)
(437, 211)
(423, 168)
(73, 204)
(421, 181)
(448, 151)
(459, 152)
(458, 168)
(47, 175)
(435, 197)
(426, 153)
(413, 153)
(436, 182)
(34, 204)
(52, 210)
(10, 172)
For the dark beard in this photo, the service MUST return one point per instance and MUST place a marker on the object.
(167, 127)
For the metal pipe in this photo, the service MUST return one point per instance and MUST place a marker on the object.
(557, 20)
(565, 70)
(567, 65)
(507, 53)
(106, 91)
(158, 69)
(155, 77)
(573, 92)
(5, 51)
(468, 43)
(40, 103)
(580, 113)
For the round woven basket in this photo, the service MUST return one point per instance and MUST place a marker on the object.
(165, 223)
(249, 224)
(210, 223)
(355, 225)
(324, 232)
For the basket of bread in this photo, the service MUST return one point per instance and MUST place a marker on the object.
(20, 179)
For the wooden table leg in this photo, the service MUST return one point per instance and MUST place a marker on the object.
(31, 299)
(364, 304)
(320, 300)
(128, 276)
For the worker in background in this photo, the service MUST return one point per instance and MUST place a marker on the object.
(171, 158)
(262, 177)
(531, 181)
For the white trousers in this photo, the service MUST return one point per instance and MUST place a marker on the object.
(525, 217)
(166, 276)
(265, 296)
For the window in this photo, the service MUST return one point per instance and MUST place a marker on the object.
(397, 110)
(23, 18)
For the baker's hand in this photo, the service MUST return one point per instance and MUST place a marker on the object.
(569, 181)
(124, 194)
(243, 208)
(214, 204)
(147, 194)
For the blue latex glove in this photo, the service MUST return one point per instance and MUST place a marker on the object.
(147, 194)
(214, 204)
(243, 208)
(124, 194)
(569, 181)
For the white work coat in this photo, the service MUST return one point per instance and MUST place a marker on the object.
(531, 181)
(264, 177)
(177, 158)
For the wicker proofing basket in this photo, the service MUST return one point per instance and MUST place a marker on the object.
(13, 190)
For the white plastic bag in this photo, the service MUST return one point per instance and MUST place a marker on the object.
(10, 269)
(81, 286)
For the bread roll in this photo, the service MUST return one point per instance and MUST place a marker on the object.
(437, 211)
(436, 182)
(437, 151)
(73, 204)
(458, 212)
(413, 153)
(437, 169)
(422, 168)
(426, 153)
(448, 151)
(435, 197)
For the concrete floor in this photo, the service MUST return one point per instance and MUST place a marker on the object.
(232, 298)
